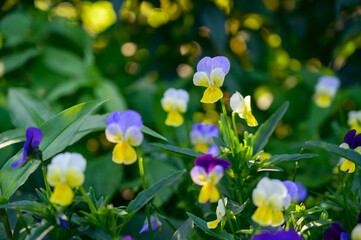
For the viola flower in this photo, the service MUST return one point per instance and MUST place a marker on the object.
(221, 212)
(242, 106)
(296, 192)
(154, 222)
(325, 90)
(174, 102)
(124, 128)
(354, 120)
(350, 142)
(210, 74)
(271, 198)
(356, 232)
(31, 145)
(207, 172)
(66, 170)
(280, 235)
(202, 138)
(335, 232)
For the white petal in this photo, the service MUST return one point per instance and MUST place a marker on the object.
(247, 103)
(217, 77)
(199, 175)
(113, 133)
(78, 161)
(62, 161)
(215, 175)
(259, 197)
(201, 79)
(134, 136)
(237, 103)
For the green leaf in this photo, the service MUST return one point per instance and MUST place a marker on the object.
(314, 224)
(14, 27)
(58, 132)
(91, 123)
(39, 233)
(203, 225)
(108, 90)
(18, 59)
(11, 137)
(182, 151)
(26, 109)
(184, 231)
(153, 133)
(63, 62)
(146, 195)
(264, 132)
(346, 153)
(288, 158)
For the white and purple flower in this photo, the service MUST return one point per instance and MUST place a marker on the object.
(202, 138)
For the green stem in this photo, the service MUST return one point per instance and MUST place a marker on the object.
(93, 209)
(227, 126)
(43, 168)
(296, 168)
(5, 219)
(235, 127)
(21, 218)
(141, 171)
(227, 212)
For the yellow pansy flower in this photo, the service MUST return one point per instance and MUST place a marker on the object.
(174, 102)
(242, 106)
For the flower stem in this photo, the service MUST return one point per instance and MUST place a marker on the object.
(227, 212)
(141, 171)
(93, 209)
(43, 168)
(235, 127)
(227, 126)
(5, 219)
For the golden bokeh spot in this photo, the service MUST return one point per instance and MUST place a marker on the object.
(128, 49)
(253, 22)
(283, 130)
(184, 70)
(157, 17)
(263, 97)
(295, 65)
(2, 69)
(128, 194)
(271, 4)
(204, 32)
(232, 25)
(67, 10)
(100, 43)
(225, 5)
(291, 82)
(238, 45)
(92, 145)
(282, 59)
(132, 67)
(42, 4)
(274, 40)
(9, 4)
(314, 65)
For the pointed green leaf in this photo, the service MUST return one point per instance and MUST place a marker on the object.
(276, 159)
(265, 131)
(108, 89)
(203, 225)
(11, 137)
(184, 231)
(58, 133)
(346, 153)
(182, 151)
(152, 133)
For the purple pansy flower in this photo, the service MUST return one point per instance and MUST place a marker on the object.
(33, 139)
(208, 162)
(351, 141)
(202, 138)
(335, 233)
(296, 192)
(155, 223)
(280, 235)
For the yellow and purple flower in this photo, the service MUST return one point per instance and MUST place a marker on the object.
(242, 106)
(207, 172)
(174, 102)
(326, 90)
(271, 198)
(335, 232)
(210, 74)
(65, 171)
(296, 192)
(351, 141)
(202, 138)
(124, 129)
(279, 235)
(31, 146)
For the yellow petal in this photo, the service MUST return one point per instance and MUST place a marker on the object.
(322, 100)
(277, 218)
(212, 94)
(124, 153)
(213, 224)
(348, 166)
(263, 215)
(251, 120)
(202, 147)
(62, 195)
(209, 192)
(174, 119)
(74, 177)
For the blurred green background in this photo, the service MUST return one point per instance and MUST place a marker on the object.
(130, 52)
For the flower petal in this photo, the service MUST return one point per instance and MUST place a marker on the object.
(199, 175)
(349, 137)
(74, 177)
(216, 174)
(34, 135)
(205, 65)
(114, 117)
(277, 218)
(348, 166)
(113, 133)
(263, 215)
(212, 224)
(201, 79)
(221, 62)
(209, 192)
(237, 104)
(62, 195)
(78, 161)
(174, 118)
(134, 136)
(124, 153)
(54, 174)
(212, 94)
(217, 77)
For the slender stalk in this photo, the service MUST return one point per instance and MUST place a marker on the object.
(21, 218)
(43, 168)
(227, 126)
(141, 171)
(227, 213)
(5, 219)
(235, 127)
(93, 209)
(296, 168)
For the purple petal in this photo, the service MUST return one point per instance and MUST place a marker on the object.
(291, 188)
(344, 236)
(34, 136)
(63, 223)
(114, 117)
(331, 234)
(280, 235)
(356, 141)
(205, 65)
(127, 237)
(130, 118)
(204, 161)
(153, 222)
(214, 150)
(301, 192)
(349, 137)
(219, 161)
(221, 62)
(359, 218)
(338, 227)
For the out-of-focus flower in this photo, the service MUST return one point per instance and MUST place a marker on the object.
(242, 106)
(210, 74)
(220, 211)
(207, 172)
(280, 235)
(97, 16)
(127, 238)
(296, 192)
(63, 221)
(31, 146)
(270, 196)
(123, 128)
(174, 102)
(350, 142)
(356, 232)
(154, 222)
(354, 120)
(325, 90)
(335, 232)
(66, 170)
(202, 138)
